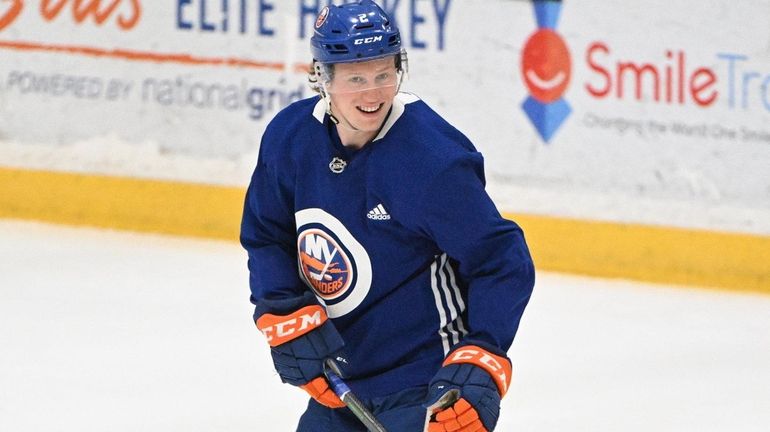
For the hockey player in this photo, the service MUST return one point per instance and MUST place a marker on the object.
(372, 241)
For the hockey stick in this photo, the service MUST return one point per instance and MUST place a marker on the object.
(332, 372)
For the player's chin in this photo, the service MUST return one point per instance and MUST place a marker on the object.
(369, 122)
(366, 126)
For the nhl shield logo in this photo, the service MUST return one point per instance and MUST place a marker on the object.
(337, 165)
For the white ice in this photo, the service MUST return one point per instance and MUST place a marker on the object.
(113, 331)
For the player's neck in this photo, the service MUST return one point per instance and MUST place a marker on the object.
(354, 138)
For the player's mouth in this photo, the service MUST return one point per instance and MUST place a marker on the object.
(370, 109)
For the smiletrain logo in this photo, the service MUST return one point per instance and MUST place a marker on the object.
(546, 68)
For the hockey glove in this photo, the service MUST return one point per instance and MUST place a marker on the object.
(299, 344)
(465, 394)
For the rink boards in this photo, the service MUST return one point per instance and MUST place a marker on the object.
(619, 250)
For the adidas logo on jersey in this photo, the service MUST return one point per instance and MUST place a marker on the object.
(378, 213)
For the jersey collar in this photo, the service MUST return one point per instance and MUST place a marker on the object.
(399, 104)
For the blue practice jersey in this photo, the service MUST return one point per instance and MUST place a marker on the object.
(398, 240)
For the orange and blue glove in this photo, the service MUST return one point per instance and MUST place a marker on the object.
(299, 344)
(477, 379)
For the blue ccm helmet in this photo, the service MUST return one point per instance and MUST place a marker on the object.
(353, 32)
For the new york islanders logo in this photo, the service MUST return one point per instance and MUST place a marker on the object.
(324, 264)
(322, 17)
(546, 68)
(331, 261)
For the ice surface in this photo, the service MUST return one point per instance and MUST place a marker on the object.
(113, 331)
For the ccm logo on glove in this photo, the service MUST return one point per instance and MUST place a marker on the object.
(497, 366)
(279, 329)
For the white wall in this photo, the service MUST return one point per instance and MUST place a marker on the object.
(673, 161)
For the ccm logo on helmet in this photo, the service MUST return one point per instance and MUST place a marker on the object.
(498, 367)
(367, 40)
(279, 329)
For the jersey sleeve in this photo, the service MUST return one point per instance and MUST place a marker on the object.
(491, 251)
(268, 235)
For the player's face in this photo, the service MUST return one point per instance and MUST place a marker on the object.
(362, 93)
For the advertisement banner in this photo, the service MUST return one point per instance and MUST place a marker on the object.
(653, 112)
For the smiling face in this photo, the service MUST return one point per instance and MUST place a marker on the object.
(361, 96)
(546, 66)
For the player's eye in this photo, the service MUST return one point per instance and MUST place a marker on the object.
(356, 80)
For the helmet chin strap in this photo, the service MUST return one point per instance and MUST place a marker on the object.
(336, 120)
(344, 123)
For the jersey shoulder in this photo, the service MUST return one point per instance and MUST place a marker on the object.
(429, 136)
(423, 141)
(290, 130)
(420, 151)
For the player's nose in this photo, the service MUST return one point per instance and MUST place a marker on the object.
(372, 94)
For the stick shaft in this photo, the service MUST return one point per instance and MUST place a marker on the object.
(353, 403)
